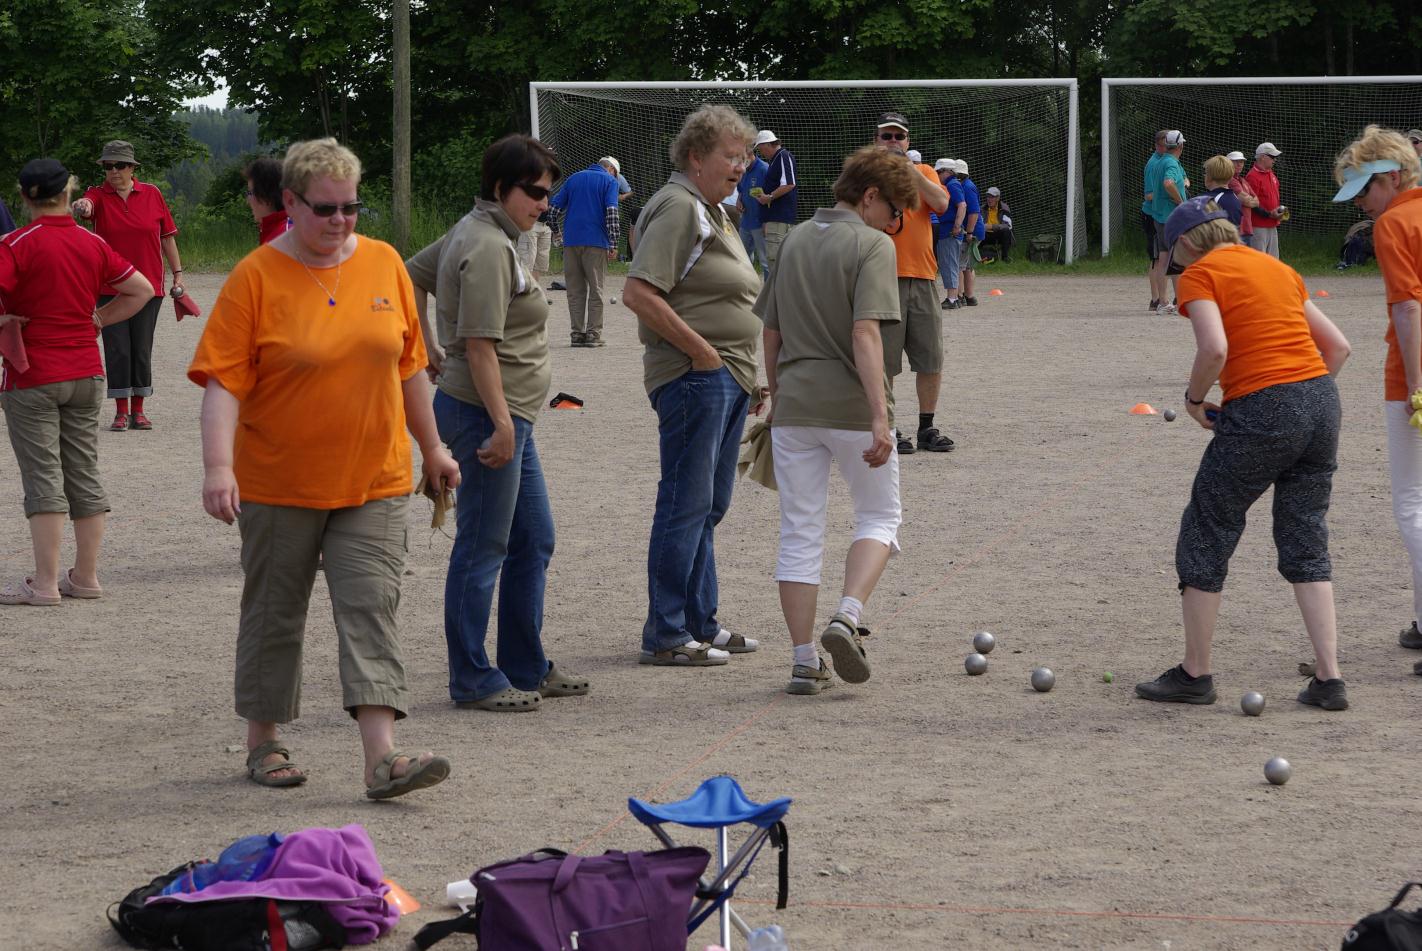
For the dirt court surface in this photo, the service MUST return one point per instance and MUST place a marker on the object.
(932, 810)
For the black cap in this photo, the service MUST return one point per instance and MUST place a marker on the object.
(43, 178)
(893, 119)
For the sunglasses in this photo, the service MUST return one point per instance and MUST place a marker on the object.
(110, 166)
(894, 136)
(536, 192)
(894, 210)
(350, 209)
(1364, 192)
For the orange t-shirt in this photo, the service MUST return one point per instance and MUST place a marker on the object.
(914, 240)
(321, 422)
(1397, 242)
(1261, 302)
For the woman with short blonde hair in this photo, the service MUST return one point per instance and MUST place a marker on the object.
(1379, 173)
(1218, 173)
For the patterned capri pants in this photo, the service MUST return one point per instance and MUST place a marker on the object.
(1285, 436)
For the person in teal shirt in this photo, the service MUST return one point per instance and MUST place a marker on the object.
(1167, 189)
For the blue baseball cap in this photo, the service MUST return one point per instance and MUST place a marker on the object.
(1354, 179)
(1188, 214)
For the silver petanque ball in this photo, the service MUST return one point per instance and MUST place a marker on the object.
(1043, 679)
(1169, 415)
(614, 300)
(984, 642)
(975, 664)
(1278, 771)
(1252, 703)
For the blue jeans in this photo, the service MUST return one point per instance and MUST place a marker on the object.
(700, 417)
(949, 252)
(503, 535)
(754, 240)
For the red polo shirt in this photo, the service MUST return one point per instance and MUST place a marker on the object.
(272, 226)
(134, 227)
(51, 271)
(1266, 189)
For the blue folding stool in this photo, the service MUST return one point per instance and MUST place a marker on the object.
(720, 802)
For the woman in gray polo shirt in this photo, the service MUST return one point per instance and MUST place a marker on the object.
(692, 287)
(835, 284)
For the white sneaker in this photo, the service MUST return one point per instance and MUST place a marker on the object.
(1166, 310)
(734, 643)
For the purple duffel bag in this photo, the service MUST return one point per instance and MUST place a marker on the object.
(552, 901)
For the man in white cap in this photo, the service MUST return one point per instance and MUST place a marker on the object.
(1245, 194)
(1415, 137)
(1270, 211)
(950, 232)
(778, 193)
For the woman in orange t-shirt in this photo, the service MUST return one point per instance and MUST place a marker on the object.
(1379, 173)
(312, 362)
(1275, 355)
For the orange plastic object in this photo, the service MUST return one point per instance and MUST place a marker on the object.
(1143, 409)
(1321, 294)
(566, 404)
(995, 292)
(401, 900)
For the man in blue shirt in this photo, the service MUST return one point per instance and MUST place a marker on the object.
(585, 212)
(973, 231)
(752, 232)
(778, 194)
(950, 232)
(1167, 189)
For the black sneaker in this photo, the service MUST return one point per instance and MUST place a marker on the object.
(905, 445)
(579, 340)
(1154, 303)
(931, 440)
(1411, 638)
(1417, 668)
(594, 339)
(949, 304)
(1328, 694)
(1176, 686)
(969, 302)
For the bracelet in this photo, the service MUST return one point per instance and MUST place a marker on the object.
(1193, 402)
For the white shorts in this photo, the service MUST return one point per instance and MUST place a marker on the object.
(802, 466)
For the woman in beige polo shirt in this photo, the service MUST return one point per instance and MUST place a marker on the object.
(692, 288)
(823, 305)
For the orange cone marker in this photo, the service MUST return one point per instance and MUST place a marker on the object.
(1143, 409)
(1321, 294)
(995, 292)
(401, 900)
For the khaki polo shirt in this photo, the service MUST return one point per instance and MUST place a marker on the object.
(691, 251)
(833, 270)
(481, 290)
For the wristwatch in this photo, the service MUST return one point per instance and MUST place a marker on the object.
(1193, 402)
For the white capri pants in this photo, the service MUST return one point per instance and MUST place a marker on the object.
(802, 467)
(1404, 463)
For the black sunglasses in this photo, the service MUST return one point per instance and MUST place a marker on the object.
(110, 166)
(893, 136)
(536, 192)
(894, 210)
(350, 209)
(1363, 193)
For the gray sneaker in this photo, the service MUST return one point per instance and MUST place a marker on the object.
(1176, 686)
(807, 681)
(1411, 638)
(1328, 694)
(594, 339)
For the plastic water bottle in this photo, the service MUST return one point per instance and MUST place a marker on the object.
(769, 938)
(243, 861)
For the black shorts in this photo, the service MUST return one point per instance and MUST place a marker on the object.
(1148, 226)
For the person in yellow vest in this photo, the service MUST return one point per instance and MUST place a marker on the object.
(998, 224)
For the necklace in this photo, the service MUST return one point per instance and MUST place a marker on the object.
(330, 292)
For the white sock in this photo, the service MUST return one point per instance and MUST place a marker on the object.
(807, 655)
(851, 608)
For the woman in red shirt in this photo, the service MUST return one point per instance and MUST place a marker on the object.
(50, 272)
(133, 218)
(263, 177)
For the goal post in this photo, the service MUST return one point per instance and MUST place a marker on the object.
(1020, 135)
(1310, 119)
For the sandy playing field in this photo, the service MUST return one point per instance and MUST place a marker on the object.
(932, 810)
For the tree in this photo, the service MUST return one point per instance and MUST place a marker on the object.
(78, 73)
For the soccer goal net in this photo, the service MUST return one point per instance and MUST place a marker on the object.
(1018, 135)
(1309, 119)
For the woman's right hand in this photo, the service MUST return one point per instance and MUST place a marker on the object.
(707, 361)
(435, 366)
(879, 451)
(84, 208)
(498, 449)
(220, 498)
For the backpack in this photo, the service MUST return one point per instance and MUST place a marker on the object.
(1357, 245)
(1044, 249)
(249, 924)
(1387, 930)
(552, 901)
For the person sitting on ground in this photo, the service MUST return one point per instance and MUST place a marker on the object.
(311, 377)
(1219, 171)
(1275, 356)
(835, 285)
(997, 225)
(263, 178)
(52, 381)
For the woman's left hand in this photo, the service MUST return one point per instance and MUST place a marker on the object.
(878, 453)
(440, 469)
(1198, 413)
